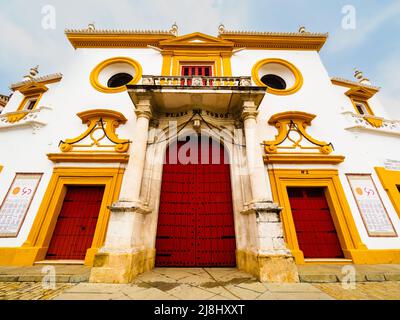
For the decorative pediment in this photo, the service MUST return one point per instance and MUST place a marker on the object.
(197, 40)
(293, 144)
(33, 88)
(361, 93)
(100, 135)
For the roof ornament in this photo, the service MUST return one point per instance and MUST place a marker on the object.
(302, 29)
(174, 29)
(91, 27)
(221, 28)
(360, 77)
(33, 72)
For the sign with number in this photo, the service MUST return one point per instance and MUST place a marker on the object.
(373, 212)
(17, 202)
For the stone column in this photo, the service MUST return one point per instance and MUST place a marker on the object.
(123, 255)
(272, 262)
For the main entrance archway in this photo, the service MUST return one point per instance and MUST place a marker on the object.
(195, 220)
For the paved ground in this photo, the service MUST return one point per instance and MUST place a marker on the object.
(62, 273)
(200, 284)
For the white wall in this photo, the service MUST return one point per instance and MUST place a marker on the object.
(23, 151)
(319, 96)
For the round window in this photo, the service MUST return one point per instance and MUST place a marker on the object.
(112, 75)
(280, 76)
(274, 81)
(119, 80)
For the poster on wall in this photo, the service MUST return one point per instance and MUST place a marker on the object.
(17, 202)
(373, 212)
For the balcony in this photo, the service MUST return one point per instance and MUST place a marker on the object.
(179, 93)
(34, 119)
(372, 124)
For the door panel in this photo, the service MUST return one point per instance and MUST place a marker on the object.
(76, 223)
(196, 213)
(201, 71)
(316, 232)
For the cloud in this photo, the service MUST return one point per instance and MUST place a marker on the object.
(348, 39)
(387, 73)
(27, 44)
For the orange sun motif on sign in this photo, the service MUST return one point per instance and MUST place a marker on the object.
(359, 191)
(16, 191)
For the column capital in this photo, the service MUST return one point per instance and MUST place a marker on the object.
(144, 108)
(249, 110)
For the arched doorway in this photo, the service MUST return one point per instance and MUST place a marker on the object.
(195, 219)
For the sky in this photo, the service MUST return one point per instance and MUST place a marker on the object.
(370, 42)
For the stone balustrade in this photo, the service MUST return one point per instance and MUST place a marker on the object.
(35, 119)
(196, 81)
(357, 122)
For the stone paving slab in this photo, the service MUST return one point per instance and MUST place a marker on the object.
(63, 273)
(312, 273)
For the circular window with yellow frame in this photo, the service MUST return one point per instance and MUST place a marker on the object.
(279, 76)
(112, 75)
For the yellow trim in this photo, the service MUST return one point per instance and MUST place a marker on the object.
(276, 41)
(115, 39)
(226, 63)
(35, 247)
(166, 65)
(89, 157)
(302, 158)
(197, 41)
(284, 123)
(365, 102)
(196, 48)
(38, 81)
(390, 179)
(94, 76)
(297, 74)
(29, 97)
(111, 120)
(214, 61)
(346, 229)
(356, 87)
(13, 117)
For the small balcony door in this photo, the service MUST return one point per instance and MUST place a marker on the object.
(192, 71)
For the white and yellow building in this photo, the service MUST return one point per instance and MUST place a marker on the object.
(314, 162)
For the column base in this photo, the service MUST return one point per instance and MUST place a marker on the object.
(268, 268)
(121, 267)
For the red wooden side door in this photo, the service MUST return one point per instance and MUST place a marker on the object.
(195, 223)
(316, 232)
(76, 223)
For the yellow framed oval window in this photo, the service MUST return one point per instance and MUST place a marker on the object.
(112, 75)
(279, 76)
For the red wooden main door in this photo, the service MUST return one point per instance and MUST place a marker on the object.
(76, 223)
(195, 223)
(316, 233)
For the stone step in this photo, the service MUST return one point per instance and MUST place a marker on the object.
(360, 277)
(63, 273)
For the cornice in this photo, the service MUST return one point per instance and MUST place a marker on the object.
(275, 40)
(353, 84)
(51, 78)
(85, 38)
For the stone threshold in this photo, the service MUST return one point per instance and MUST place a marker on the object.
(60, 262)
(63, 273)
